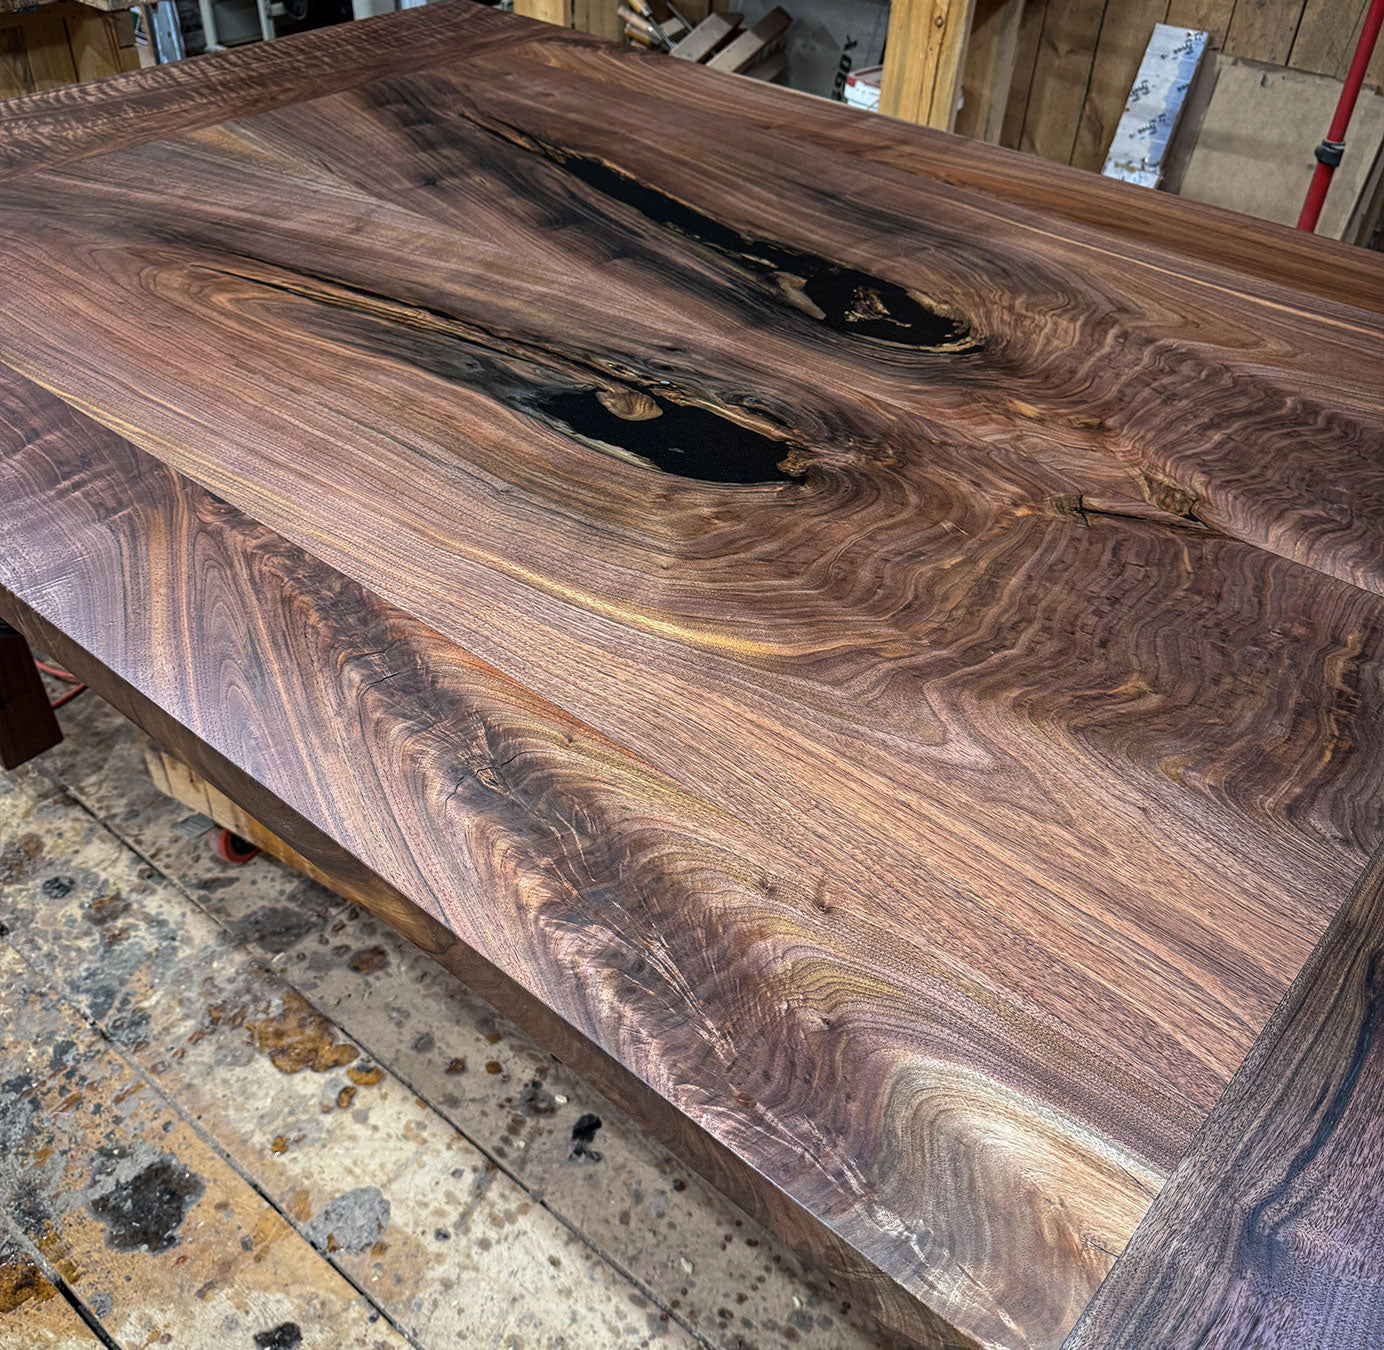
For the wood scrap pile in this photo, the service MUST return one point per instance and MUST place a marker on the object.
(719, 40)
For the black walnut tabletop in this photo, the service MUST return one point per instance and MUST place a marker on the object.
(876, 639)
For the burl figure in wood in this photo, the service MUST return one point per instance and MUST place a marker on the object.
(876, 659)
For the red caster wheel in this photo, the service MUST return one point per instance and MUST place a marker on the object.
(232, 848)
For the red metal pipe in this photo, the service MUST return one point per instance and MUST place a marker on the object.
(1329, 151)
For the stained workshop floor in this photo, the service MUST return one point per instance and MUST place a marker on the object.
(235, 1111)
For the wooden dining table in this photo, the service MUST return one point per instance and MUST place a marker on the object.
(869, 644)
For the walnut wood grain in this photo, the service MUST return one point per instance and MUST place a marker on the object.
(215, 559)
(1259, 251)
(55, 127)
(896, 671)
(825, 1254)
(28, 725)
(1269, 1232)
(59, 125)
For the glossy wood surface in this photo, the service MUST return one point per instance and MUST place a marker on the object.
(246, 552)
(1269, 1233)
(857, 1280)
(896, 670)
(68, 124)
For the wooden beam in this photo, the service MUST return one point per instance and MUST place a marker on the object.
(548, 11)
(184, 784)
(923, 60)
(989, 68)
(27, 724)
(1268, 1234)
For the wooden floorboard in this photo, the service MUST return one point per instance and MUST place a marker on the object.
(886, 667)
(124, 1197)
(32, 1305)
(365, 1171)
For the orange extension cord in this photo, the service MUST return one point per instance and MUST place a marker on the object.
(67, 677)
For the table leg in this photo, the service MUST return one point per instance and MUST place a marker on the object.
(27, 724)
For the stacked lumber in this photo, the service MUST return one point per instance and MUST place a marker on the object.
(721, 42)
(693, 30)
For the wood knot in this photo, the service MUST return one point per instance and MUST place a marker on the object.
(1168, 496)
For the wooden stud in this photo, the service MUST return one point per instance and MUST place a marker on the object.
(923, 60)
(989, 68)
(548, 11)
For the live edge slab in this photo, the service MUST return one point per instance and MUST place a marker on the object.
(876, 651)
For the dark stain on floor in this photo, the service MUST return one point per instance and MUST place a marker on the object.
(369, 959)
(145, 1211)
(295, 1036)
(107, 908)
(285, 1336)
(20, 858)
(18, 1110)
(583, 1136)
(276, 928)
